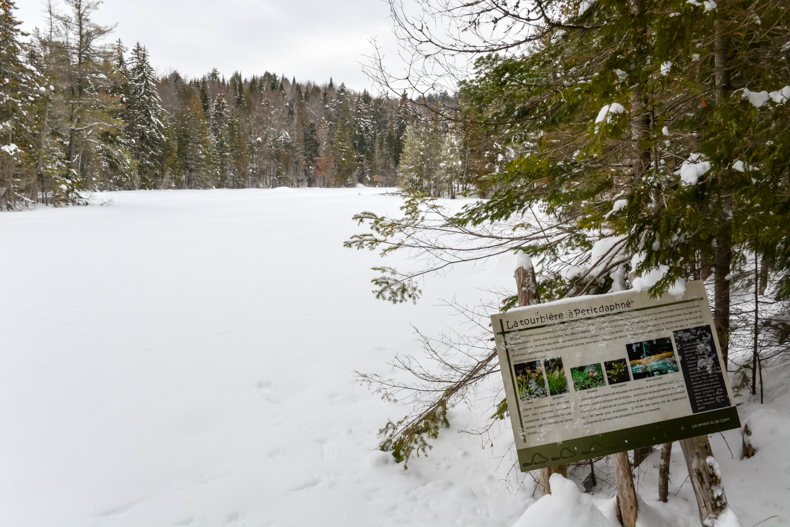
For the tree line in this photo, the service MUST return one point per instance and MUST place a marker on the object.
(79, 112)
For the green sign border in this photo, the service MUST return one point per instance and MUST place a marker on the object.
(598, 445)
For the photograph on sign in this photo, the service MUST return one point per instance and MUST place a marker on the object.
(595, 375)
(555, 373)
(616, 371)
(652, 357)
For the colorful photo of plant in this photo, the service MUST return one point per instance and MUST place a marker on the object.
(555, 375)
(530, 381)
(651, 358)
(616, 371)
(587, 377)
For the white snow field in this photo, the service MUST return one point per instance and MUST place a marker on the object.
(183, 358)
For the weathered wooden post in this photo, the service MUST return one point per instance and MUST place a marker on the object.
(626, 493)
(705, 478)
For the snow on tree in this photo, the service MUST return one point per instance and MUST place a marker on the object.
(144, 118)
(20, 94)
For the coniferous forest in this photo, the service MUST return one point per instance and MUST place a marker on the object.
(80, 111)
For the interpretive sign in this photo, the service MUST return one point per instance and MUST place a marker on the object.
(595, 375)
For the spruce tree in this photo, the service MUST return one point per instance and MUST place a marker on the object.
(220, 137)
(144, 118)
(325, 162)
(20, 92)
(196, 168)
(48, 57)
(343, 143)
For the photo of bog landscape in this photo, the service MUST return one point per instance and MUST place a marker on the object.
(651, 358)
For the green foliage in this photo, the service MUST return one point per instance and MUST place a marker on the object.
(576, 167)
(409, 437)
(557, 382)
(587, 377)
(553, 287)
(501, 410)
(430, 162)
(555, 375)
(21, 99)
(67, 190)
(617, 371)
(393, 287)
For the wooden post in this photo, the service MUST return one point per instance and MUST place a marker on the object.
(626, 493)
(527, 287)
(705, 478)
(545, 474)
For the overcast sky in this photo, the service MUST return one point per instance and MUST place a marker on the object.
(311, 40)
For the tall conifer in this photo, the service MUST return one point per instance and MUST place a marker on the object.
(20, 90)
(144, 117)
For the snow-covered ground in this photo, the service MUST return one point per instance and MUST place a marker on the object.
(187, 358)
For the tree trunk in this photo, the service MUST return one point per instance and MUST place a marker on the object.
(6, 182)
(640, 454)
(663, 472)
(723, 256)
(527, 288)
(746, 442)
(705, 478)
(40, 160)
(640, 115)
(762, 386)
(720, 50)
(721, 289)
(73, 158)
(702, 466)
(640, 160)
(756, 327)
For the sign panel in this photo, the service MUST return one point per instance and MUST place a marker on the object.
(595, 375)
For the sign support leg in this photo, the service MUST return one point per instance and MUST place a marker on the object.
(705, 478)
(527, 288)
(626, 493)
